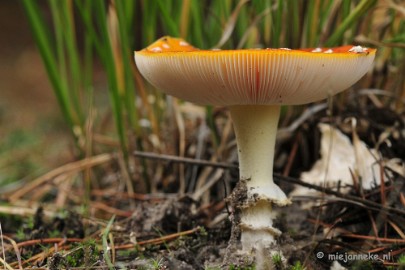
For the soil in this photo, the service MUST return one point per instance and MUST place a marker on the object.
(203, 246)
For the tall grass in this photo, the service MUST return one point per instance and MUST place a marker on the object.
(82, 32)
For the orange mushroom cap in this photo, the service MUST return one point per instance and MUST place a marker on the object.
(251, 76)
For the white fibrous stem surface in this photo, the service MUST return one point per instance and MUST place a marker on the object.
(256, 128)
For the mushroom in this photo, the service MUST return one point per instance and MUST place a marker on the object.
(253, 84)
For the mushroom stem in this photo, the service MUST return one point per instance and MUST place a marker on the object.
(256, 128)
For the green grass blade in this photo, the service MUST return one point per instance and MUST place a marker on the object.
(149, 21)
(196, 20)
(278, 24)
(346, 4)
(294, 37)
(60, 45)
(129, 89)
(168, 23)
(310, 18)
(357, 12)
(106, 249)
(67, 57)
(41, 36)
(88, 61)
(327, 14)
(108, 61)
(73, 57)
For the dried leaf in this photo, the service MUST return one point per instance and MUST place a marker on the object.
(338, 157)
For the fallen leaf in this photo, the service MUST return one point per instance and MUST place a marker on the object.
(339, 156)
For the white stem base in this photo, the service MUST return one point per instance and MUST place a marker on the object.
(256, 129)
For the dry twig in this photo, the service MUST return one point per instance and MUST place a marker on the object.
(349, 198)
(70, 167)
(160, 239)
